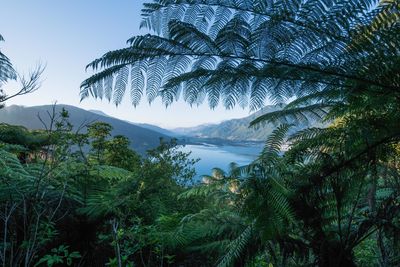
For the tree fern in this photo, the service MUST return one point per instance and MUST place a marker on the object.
(296, 43)
(11, 167)
(335, 61)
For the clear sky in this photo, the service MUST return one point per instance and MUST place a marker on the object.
(68, 34)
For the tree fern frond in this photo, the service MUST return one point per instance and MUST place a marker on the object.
(107, 75)
(222, 16)
(323, 52)
(233, 38)
(137, 82)
(155, 76)
(301, 114)
(190, 36)
(121, 82)
(273, 146)
(11, 167)
(331, 94)
(7, 71)
(110, 173)
(236, 247)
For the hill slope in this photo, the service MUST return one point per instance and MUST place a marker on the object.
(141, 138)
(143, 125)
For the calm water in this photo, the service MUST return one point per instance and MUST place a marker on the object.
(212, 156)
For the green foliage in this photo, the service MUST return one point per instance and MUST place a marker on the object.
(59, 255)
(98, 132)
(365, 253)
(19, 135)
(30, 195)
(112, 188)
(114, 262)
(118, 154)
(166, 153)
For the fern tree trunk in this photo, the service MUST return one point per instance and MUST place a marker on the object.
(334, 255)
(114, 231)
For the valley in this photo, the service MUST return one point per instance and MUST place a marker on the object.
(215, 149)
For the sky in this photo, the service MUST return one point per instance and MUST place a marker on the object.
(66, 35)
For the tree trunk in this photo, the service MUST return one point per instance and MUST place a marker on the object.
(334, 255)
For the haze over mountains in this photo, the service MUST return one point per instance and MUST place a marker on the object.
(238, 130)
(234, 130)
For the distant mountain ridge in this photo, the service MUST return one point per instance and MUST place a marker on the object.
(145, 136)
(144, 125)
(141, 138)
(234, 129)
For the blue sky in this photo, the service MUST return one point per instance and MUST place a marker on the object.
(68, 34)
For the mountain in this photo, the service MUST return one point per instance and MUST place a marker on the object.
(99, 112)
(157, 129)
(143, 125)
(233, 130)
(192, 130)
(142, 138)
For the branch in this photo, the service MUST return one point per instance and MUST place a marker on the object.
(28, 85)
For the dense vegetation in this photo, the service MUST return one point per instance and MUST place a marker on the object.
(61, 206)
(333, 199)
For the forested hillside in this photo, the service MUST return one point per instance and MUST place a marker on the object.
(37, 117)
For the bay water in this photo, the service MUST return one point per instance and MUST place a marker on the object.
(212, 156)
